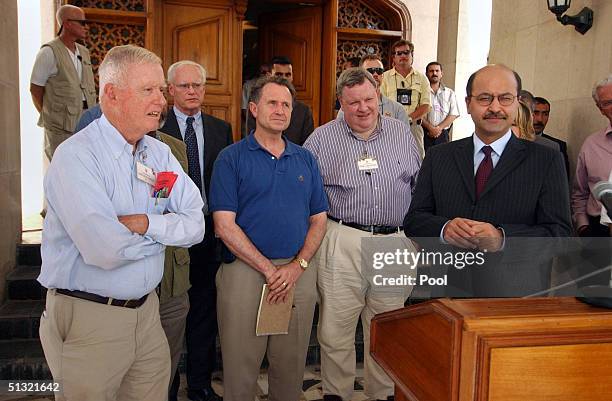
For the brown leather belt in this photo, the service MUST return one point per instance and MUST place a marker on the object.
(371, 229)
(125, 303)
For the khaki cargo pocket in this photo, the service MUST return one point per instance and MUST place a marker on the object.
(55, 118)
(72, 116)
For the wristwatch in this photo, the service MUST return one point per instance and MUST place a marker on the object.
(302, 262)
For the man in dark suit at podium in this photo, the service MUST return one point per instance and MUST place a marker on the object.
(476, 192)
(204, 136)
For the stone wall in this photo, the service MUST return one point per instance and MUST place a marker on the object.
(10, 176)
(556, 62)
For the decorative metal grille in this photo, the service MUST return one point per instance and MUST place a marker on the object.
(123, 5)
(359, 48)
(357, 14)
(102, 37)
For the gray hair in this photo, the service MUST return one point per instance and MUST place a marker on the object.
(63, 12)
(600, 84)
(118, 60)
(351, 77)
(175, 66)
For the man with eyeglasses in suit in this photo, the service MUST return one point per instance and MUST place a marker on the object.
(204, 136)
(387, 107)
(408, 87)
(476, 192)
(62, 82)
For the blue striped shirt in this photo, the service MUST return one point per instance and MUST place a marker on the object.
(92, 180)
(380, 196)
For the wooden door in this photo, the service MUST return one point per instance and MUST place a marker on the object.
(297, 35)
(209, 33)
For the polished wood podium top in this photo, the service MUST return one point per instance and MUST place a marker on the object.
(540, 349)
(533, 312)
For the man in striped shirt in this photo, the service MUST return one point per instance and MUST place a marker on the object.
(369, 165)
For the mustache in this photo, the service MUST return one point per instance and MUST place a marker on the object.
(495, 115)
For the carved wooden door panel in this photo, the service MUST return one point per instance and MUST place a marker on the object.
(297, 35)
(205, 32)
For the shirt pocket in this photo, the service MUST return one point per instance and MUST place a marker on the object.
(157, 205)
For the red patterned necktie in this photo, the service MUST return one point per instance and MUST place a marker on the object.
(484, 170)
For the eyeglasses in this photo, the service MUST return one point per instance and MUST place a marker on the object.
(403, 52)
(376, 70)
(604, 104)
(195, 85)
(485, 99)
(82, 22)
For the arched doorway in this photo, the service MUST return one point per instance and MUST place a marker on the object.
(319, 36)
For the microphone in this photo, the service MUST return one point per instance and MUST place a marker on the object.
(80, 58)
(403, 84)
(602, 191)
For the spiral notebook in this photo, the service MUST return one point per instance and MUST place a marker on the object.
(273, 319)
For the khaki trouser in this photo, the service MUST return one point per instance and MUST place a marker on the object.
(173, 316)
(53, 138)
(102, 353)
(238, 293)
(345, 296)
(418, 133)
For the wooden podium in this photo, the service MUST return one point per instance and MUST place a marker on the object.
(539, 349)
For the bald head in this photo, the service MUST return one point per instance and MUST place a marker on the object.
(493, 68)
(492, 101)
(66, 12)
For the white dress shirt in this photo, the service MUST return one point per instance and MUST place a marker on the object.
(443, 104)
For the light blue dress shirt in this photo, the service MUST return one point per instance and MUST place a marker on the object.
(181, 119)
(92, 180)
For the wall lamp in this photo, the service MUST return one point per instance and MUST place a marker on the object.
(583, 21)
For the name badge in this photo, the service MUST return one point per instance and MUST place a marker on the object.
(367, 163)
(145, 173)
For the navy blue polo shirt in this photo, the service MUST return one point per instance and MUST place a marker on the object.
(273, 198)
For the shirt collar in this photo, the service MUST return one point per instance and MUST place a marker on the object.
(394, 71)
(182, 117)
(608, 130)
(116, 141)
(252, 144)
(442, 88)
(377, 130)
(498, 146)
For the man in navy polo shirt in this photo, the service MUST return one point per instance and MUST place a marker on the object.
(269, 209)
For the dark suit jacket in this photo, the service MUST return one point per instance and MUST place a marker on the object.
(563, 149)
(300, 127)
(217, 135)
(526, 195)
